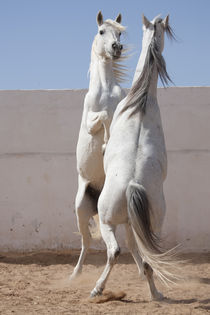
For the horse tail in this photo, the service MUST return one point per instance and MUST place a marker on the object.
(162, 263)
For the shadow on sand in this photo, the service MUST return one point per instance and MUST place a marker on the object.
(47, 258)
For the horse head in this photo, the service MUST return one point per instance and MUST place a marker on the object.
(156, 29)
(107, 42)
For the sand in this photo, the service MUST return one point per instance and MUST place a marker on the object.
(37, 283)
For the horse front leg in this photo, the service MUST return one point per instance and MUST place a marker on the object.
(85, 209)
(113, 251)
(97, 120)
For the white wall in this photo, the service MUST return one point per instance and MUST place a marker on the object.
(38, 180)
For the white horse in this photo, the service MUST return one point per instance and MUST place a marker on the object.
(100, 103)
(135, 165)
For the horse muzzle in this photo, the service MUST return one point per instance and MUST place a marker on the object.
(117, 49)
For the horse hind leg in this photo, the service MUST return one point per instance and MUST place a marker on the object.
(143, 267)
(85, 209)
(131, 243)
(154, 293)
(113, 251)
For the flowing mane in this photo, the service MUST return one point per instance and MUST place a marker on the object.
(120, 70)
(115, 24)
(139, 92)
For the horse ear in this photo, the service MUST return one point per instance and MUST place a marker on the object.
(145, 21)
(165, 22)
(119, 18)
(99, 18)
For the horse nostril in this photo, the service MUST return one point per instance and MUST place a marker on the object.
(121, 47)
(114, 45)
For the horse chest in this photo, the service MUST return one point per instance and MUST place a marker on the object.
(109, 99)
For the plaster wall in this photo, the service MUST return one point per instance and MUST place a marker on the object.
(38, 180)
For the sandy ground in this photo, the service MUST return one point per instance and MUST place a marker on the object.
(37, 283)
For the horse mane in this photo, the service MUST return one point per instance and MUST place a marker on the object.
(120, 70)
(138, 93)
(116, 25)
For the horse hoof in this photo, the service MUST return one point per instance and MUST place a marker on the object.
(74, 276)
(157, 297)
(95, 293)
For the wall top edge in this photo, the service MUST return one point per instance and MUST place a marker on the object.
(85, 89)
(43, 90)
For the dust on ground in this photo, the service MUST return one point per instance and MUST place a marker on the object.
(38, 283)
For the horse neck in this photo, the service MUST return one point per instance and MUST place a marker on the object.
(152, 89)
(102, 76)
(140, 64)
(152, 92)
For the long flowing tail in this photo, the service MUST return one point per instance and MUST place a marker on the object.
(162, 263)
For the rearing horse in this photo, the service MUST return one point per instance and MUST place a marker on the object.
(135, 165)
(100, 103)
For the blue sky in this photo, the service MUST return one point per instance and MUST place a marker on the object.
(45, 44)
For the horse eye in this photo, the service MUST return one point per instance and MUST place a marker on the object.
(101, 32)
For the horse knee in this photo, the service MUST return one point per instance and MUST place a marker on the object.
(117, 252)
(113, 255)
(147, 269)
